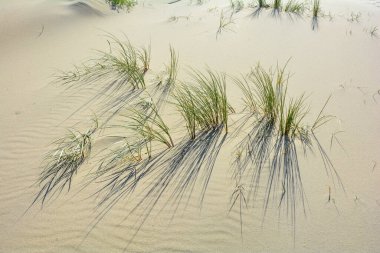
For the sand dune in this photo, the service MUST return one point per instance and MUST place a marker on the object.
(340, 58)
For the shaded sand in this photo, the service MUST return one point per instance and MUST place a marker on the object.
(340, 58)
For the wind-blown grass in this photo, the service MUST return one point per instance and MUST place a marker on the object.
(204, 105)
(124, 64)
(295, 7)
(272, 144)
(63, 162)
(144, 126)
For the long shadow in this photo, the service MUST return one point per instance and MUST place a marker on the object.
(113, 90)
(170, 178)
(314, 23)
(256, 13)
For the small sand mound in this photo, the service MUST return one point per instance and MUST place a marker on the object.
(87, 7)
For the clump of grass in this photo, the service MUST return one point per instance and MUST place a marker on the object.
(272, 143)
(205, 105)
(123, 63)
(262, 4)
(129, 62)
(277, 5)
(149, 126)
(294, 7)
(122, 4)
(316, 9)
(63, 162)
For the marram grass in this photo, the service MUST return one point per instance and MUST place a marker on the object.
(122, 4)
(203, 105)
(172, 68)
(63, 162)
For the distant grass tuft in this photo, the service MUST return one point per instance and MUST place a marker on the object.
(295, 7)
(122, 4)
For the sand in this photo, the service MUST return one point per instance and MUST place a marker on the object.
(340, 58)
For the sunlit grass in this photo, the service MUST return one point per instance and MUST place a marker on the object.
(62, 163)
(204, 104)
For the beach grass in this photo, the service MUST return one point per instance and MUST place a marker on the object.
(295, 7)
(122, 4)
(172, 68)
(203, 105)
(62, 163)
(277, 5)
(262, 4)
(316, 8)
(236, 5)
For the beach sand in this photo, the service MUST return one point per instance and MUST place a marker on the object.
(340, 58)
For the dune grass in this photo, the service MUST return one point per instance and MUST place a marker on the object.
(316, 9)
(278, 131)
(63, 162)
(122, 65)
(277, 5)
(128, 62)
(204, 105)
(262, 4)
(294, 7)
(236, 5)
(172, 68)
(145, 126)
(122, 4)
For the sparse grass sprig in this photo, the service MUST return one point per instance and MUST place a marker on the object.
(63, 162)
(373, 31)
(172, 68)
(224, 23)
(321, 118)
(149, 125)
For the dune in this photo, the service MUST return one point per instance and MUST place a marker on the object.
(189, 195)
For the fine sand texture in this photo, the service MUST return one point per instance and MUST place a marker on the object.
(229, 189)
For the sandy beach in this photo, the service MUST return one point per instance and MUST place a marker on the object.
(189, 195)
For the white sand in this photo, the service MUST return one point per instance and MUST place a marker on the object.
(341, 58)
